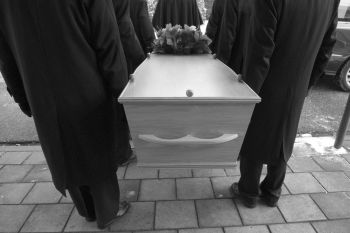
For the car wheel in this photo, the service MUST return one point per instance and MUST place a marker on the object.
(343, 77)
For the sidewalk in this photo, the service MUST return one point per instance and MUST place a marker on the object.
(316, 197)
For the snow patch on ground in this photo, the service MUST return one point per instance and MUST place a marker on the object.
(321, 145)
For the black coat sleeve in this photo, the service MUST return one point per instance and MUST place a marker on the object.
(10, 72)
(146, 28)
(228, 31)
(325, 51)
(261, 43)
(106, 41)
(131, 45)
(214, 20)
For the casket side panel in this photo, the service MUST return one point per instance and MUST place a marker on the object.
(175, 121)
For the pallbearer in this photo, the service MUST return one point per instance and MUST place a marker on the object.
(176, 12)
(231, 41)
(64, 64)
(289, 46)
(214, 23)
(134, 57)
(142, 24)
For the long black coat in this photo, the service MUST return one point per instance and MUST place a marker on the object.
(65, 57)
(132, 48)
(233, 37)
(143, 27)
(214, 23)
(290, 44)
(176, 12)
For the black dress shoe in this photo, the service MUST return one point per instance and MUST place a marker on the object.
(90, 219)
(269, 200)
(248, 201)
(132, 158)
(123, 209)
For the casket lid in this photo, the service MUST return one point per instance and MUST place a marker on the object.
(170, 78)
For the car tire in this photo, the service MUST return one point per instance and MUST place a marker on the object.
(343, 77)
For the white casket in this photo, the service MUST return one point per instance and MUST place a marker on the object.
(187, 111)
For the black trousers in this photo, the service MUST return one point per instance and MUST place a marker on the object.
(271, 186)
(100, 201)
(123, 144)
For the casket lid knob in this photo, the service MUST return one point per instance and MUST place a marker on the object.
(189, 93)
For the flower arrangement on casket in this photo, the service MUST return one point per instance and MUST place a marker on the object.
(178, 40)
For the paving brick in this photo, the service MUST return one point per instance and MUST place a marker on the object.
(194, 188)
(233, 171)
(303, 164)
(36, 158)
(14, 157)
(347, 173)
(134, 172)
(13, 193)
(14, 173)
(217, 213)
(129, 189)
(254, 216)
(119, 232)
(337, 226)
(333, 181)
(333, 205)
(121, 172)
(302, 183)
(12, 217)
(66, 199)
(139, 217)
(163, 189)
(332, 163)
(292, 228)
(301, 149)
(175, 173)
(168, 231)
(202, 230)
(247, 229)
(297, 208)
(347, 157)
(78, 223)
(21, 148)
(43, 193)
(48, 218)
(175, 214)
(208, 172)
(222, 186)
(284, 190)
(40, 173)
(288, 170)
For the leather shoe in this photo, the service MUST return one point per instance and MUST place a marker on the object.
(90, 219)
(131, 159)
(248, 201)
(123, 209)
(269, 200)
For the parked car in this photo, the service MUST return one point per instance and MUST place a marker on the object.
(339, 63)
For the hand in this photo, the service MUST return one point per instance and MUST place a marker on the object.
(240, 78)
(25, 109)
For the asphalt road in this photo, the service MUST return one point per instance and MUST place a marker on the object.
(321, 114)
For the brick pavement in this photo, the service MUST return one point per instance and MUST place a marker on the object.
(316, 198)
